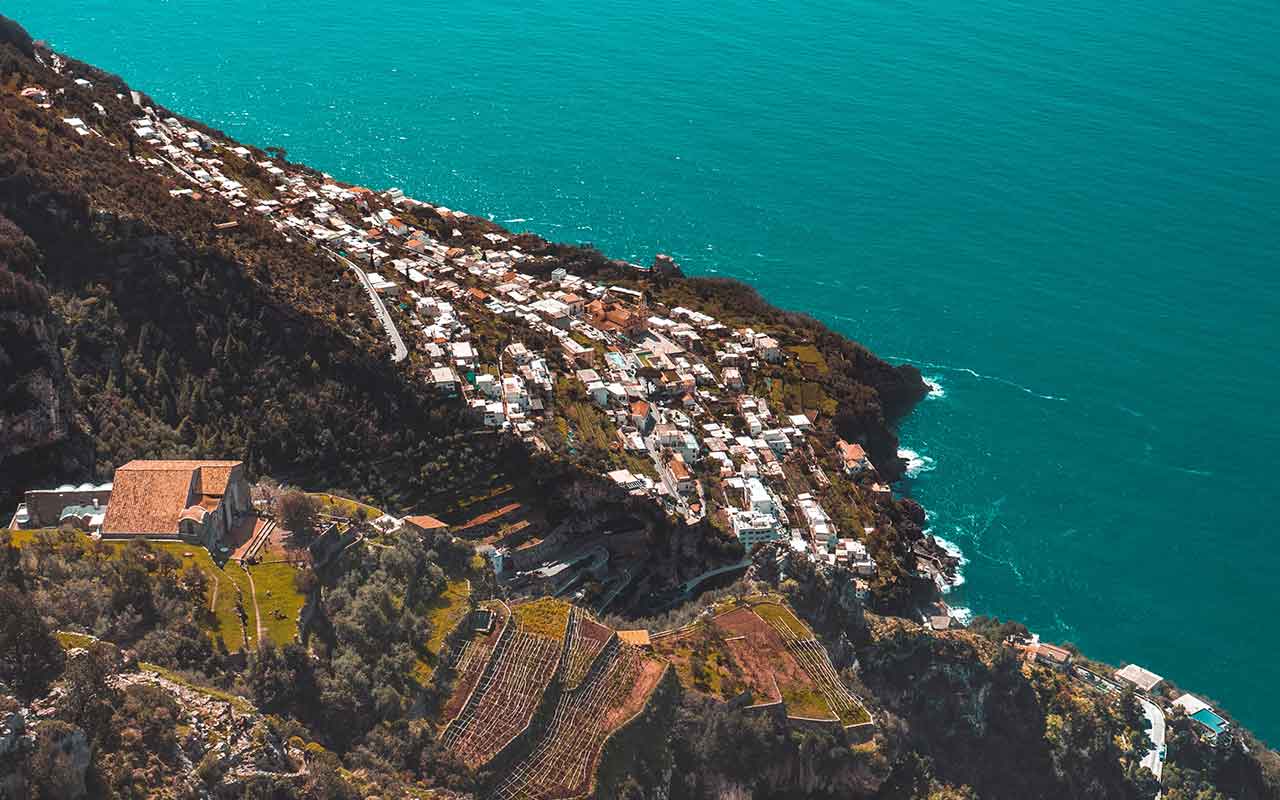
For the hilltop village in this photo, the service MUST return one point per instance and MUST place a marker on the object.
(680, 400)
(325, 491)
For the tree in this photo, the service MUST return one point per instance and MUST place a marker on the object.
(57, 767)
(89, 698)
(297, 511)
(30, 656)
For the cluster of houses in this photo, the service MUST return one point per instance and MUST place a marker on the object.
(1143, 681)
(1147, 683)
(675, 382)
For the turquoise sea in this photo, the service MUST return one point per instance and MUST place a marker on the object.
(1068, 214)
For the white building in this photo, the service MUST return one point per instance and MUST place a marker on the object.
(753, 529)
(757, 497)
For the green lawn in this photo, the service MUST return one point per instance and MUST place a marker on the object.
(445, 613)
(278, 601)
(221, 593)
(344, 506)
(70, 639)
(233, 577)
(810, 356)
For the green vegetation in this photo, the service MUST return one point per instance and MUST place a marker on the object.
(702, 660)
(22, 538)
(161, 338)
(806, 701)
(445, 612)
(443, 615)
(775, 612)
(810, 356)
(242, 705)
(71, 640)
(279, 601)
(544, 617)
(346, 507)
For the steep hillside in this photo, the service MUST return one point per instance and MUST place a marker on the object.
(164, 322)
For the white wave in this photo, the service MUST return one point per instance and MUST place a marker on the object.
(935, 387)
(952, 549)
(962, 615)
(916, 463)
(945, 585)
(516, 219)
(979, 376)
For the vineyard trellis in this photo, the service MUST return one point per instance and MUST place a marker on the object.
(582, 649)
(816, 662)
(560, 763)
(504, 700)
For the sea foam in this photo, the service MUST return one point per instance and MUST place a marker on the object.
(953, 550)
(916, 463)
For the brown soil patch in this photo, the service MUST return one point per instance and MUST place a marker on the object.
(758, 658)
(487, 517)
(650, 673)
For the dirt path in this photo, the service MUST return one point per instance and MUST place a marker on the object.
(253, 594)
(213, 598)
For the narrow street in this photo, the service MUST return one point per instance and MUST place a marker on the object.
(1154, 760)
(384, 316)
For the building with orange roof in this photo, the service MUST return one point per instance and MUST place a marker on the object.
(853, 457)
(196, 501)
(635, 638)
(424, 522)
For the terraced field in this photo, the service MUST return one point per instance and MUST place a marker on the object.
(763, 647)
(597, 683)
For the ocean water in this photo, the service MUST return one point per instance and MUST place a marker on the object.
(1067, 214)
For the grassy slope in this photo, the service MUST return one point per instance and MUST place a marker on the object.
(544, 617)
(279, 601)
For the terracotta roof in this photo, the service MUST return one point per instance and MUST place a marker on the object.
(1054, 653)
(152, 496)
(851, 452)
(426, 522)
(678, 469)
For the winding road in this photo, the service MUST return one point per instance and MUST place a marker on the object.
(1154, 760)
(379, 308)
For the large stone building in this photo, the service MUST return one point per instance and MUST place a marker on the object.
(196, 501)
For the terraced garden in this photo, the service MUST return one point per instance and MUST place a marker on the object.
(761, 645)
(504, 676)
(543, 617)
(510, 688)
